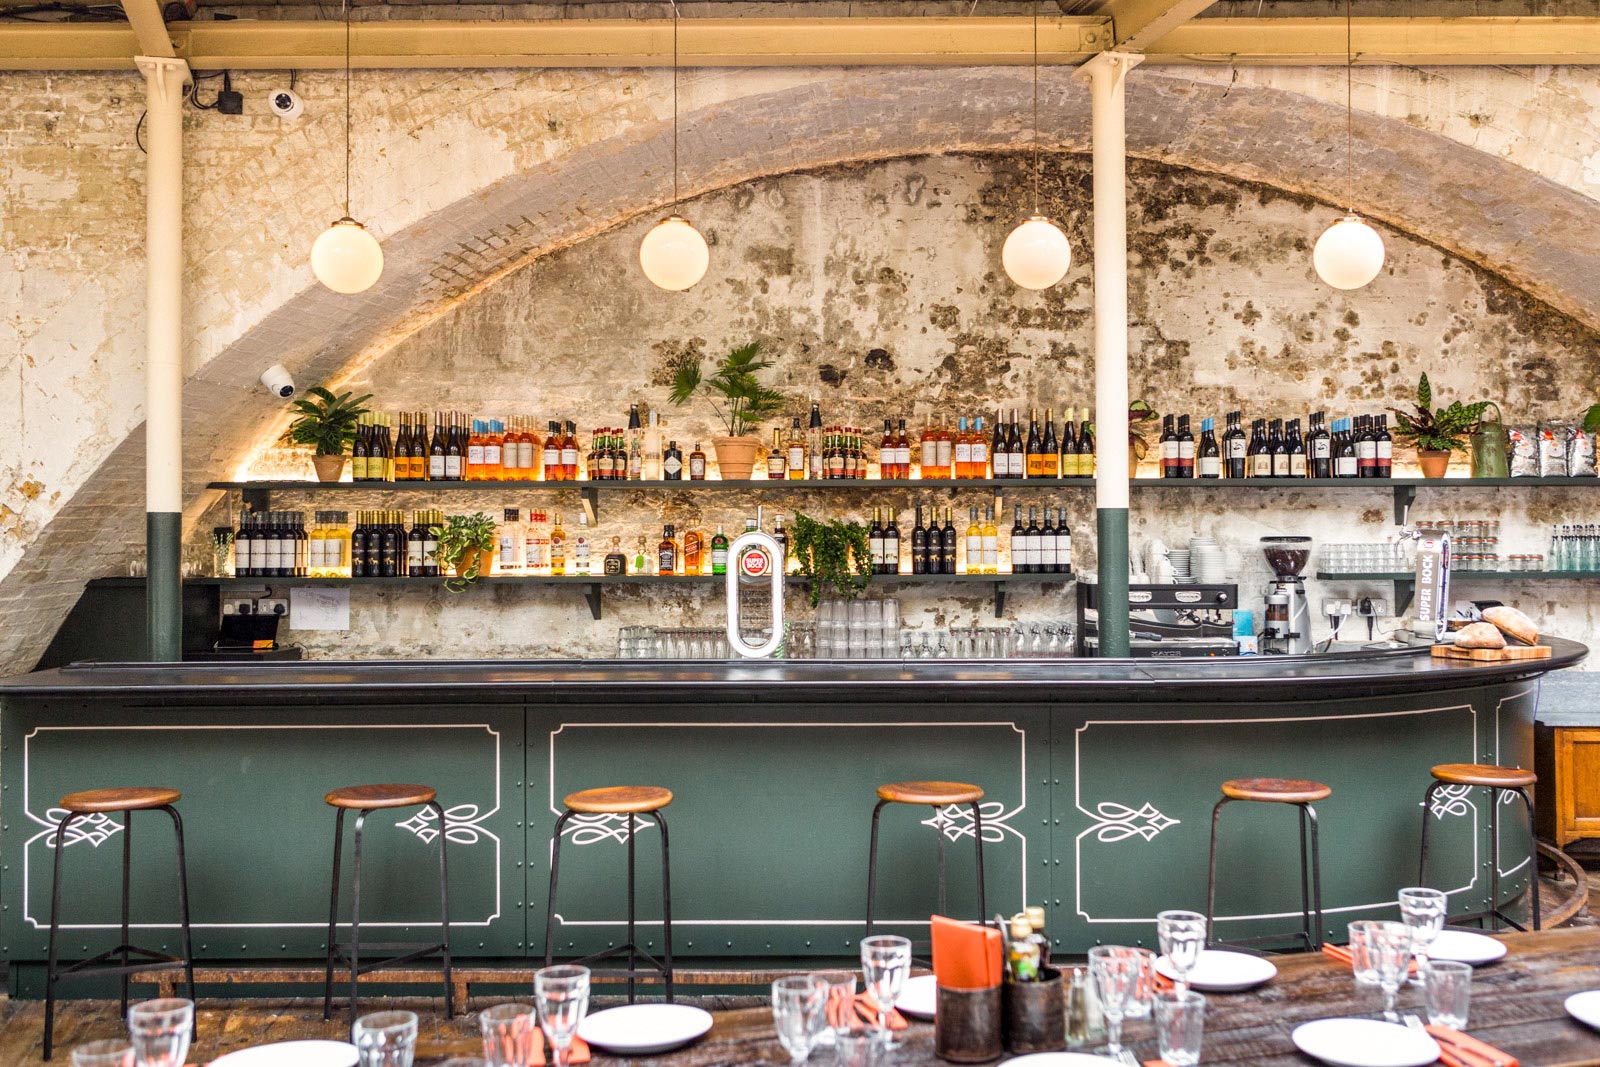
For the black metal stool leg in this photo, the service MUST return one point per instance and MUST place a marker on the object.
(183, 913)
(333, 915)
(50, 975)
(355, 913)
(1494, 859)
(666, 906)
(555, 870)
(1211, 872)
(938, 831)
(1316, 878)
(1427, 811)
(977, 837)
(444, 912)
(872, 863)
(1533, 855)
(127, 867)
(633, 955)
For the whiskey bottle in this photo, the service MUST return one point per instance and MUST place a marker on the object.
(697, 464)
(795, 460)
(615, 562)
(666, 552)
(694, 548)
(777, 458)
(672, 463)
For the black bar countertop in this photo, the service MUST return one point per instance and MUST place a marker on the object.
(1249, 678)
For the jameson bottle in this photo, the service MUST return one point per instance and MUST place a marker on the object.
(1208, 464)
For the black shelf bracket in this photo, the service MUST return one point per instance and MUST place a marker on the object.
(1404, 497)
(591, 505)
(592, 594)
(999, 600)
(256, 499)
(1405, 591)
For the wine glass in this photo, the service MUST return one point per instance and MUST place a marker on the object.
(1424, 911)
(1182, 935)
(563, 996)
(799, 1011)
(384, 1039)
(885, 963)
(1115, 973)
(1389, 948)
(160, 1031)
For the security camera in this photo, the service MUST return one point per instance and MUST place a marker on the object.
(286, 104)
(278, 381)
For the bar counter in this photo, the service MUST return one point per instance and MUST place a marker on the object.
(1099, 776)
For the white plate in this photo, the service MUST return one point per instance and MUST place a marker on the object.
(1220, 971)
(1060, 1059)
(635, 1029)
(292, 1054)
(1585, 1007)
(1365, 1043)
(1464, 946)
(918, 997)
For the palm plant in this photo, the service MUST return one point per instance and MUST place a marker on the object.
(745, 401)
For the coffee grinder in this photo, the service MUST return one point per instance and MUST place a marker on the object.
(1288, 623)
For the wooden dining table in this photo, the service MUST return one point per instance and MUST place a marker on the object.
(1516, 1006)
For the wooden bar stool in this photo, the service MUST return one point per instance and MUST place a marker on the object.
(364, 800)
(632, 801)
(935, 795)
(1496, 780)
(1302, 794)
(130, 958)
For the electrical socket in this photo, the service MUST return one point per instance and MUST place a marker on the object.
(1333, 607)
(1373, 607)
(272, 606)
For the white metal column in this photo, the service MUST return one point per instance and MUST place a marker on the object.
(1107, 73)
(164, 89)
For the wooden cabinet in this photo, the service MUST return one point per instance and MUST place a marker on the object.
(1570, 764)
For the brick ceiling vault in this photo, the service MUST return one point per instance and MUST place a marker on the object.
(1529, 230)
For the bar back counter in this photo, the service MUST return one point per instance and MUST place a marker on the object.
(1099, 775)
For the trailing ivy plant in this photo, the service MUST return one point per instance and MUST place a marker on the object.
(1431, 429)
(834, 553)
(746, 401)
(459, 535)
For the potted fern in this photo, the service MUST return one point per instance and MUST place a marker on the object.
(328, 424)
(744, 403)
(1437, 432)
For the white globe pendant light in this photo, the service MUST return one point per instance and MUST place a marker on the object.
(346, 257)
(673, 254)
(1349, 254)
(1037, 254)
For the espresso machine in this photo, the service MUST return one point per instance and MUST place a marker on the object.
(1288, 620)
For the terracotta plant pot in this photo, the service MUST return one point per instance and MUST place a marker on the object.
(466, 559)
(736, 456)
(329, 468)
(1433, 464)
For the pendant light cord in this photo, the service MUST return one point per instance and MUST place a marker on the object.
(1036, 107)
(346, 108)
(674, 107)
(1349, 108)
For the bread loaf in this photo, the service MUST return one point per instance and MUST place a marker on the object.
(1479, 635)
(1513, 623)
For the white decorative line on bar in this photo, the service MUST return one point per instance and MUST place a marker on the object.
(955, 821)
(95, 828)
(464, 822)
(1118, 822)
(1453, 800)
(589, 829)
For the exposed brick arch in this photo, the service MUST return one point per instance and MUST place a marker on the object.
(1530, 230)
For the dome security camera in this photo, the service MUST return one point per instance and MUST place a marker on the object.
(278, 381)
(286, 104)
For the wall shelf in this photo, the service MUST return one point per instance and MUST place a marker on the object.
(593, 585)
(1405, 586)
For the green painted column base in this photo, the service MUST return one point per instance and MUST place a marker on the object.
(164, 584)
(1112, 527)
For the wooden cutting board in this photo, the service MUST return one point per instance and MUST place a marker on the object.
(1493, 655)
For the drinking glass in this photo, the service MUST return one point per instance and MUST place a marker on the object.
(1180, 1022)
(115, 1052)
(563, 996)
(1446, 990)
(463, 1061)
(1389, 947)
(1144, 989)
(1424, 911)
(842, 1016)
(885, 963)
(1360, 958)
(1182, 936)
(856, 1049)
(385, 1038)
(1116, 975)
(508, 1034)
(799, 1011)
(160, 1031)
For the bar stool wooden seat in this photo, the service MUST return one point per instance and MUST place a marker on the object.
(1300, 793)
(128, 958)
(632, 801)
(1496, 780)
(363, 800)
(934, 794)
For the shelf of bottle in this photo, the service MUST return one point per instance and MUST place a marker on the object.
(842, 484)
(1463, 576)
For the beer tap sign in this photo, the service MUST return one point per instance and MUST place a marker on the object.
(755, 555)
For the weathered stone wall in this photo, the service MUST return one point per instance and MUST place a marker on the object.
(466, 174)
(860, 282)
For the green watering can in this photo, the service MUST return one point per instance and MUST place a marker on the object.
(1491, 446)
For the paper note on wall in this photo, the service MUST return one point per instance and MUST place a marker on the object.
(319, 609)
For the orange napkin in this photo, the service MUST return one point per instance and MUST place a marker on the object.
(965, 955)
(1341, 954)
(1164, 984)
(1464, 1050)
(578, 1053)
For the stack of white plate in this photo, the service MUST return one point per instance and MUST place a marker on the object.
(1180, 565)
(1205, 561)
